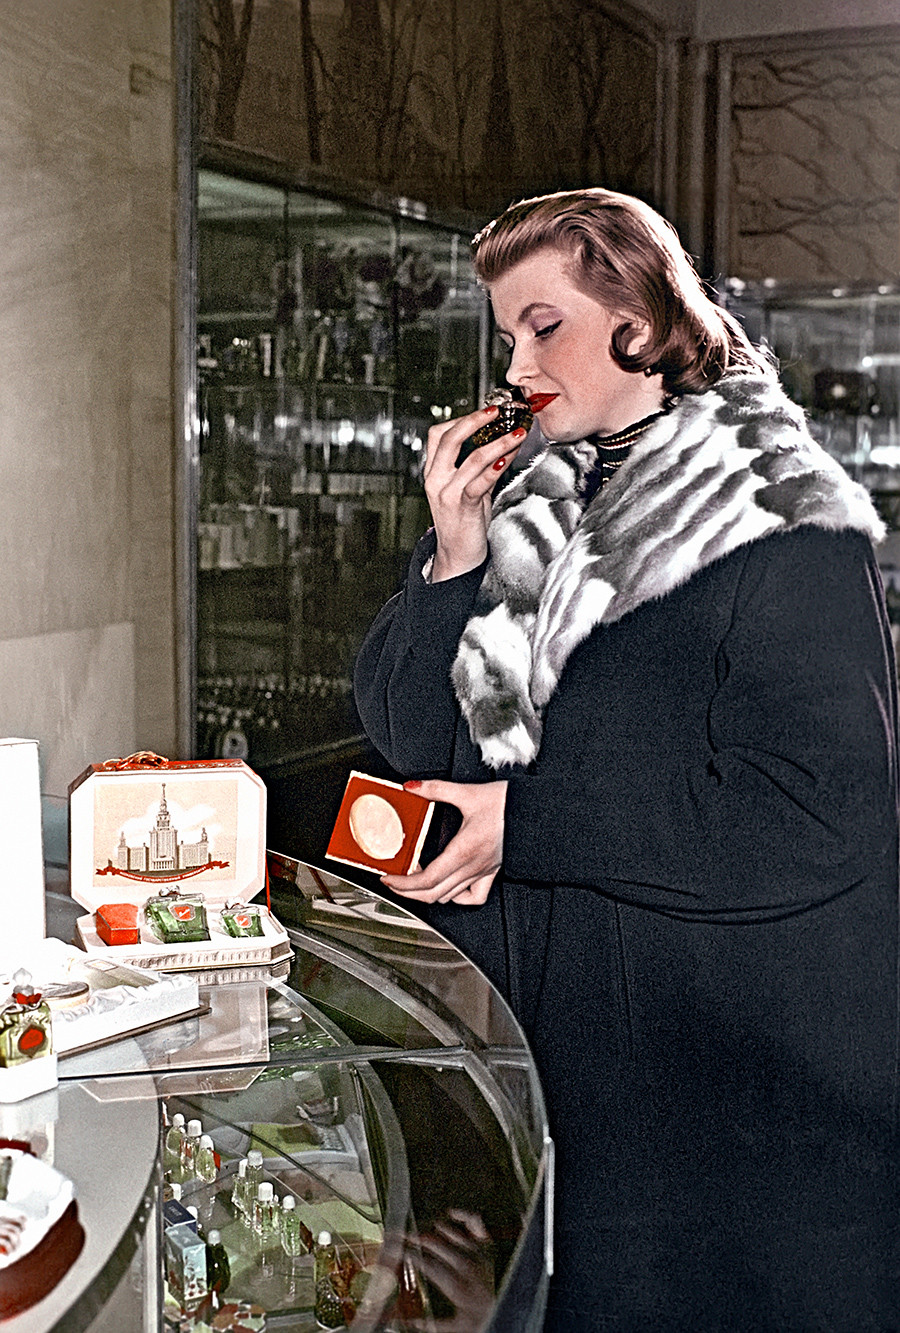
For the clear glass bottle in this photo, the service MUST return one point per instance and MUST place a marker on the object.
(326, 1255)
(266, 1216)
(172, 1148)
(253, 1181)
(291, 1236)
(205, 1166)
(190, 1148)
(239, 1191)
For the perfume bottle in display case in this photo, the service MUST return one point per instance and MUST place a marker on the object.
(218, 1267)
(242, 920)
(190, 1149)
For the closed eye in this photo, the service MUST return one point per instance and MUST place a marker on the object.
(547, 330)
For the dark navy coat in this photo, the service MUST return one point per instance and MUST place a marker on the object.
(697, 925)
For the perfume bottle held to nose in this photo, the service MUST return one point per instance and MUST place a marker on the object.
(513, 415)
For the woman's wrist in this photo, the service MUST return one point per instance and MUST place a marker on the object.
(442, 569)
(445, 567)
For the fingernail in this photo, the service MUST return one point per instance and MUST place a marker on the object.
(519, 434)
(491, 410)
(411, 786)
(500, 465)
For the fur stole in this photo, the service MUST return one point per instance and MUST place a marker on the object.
(721, 469)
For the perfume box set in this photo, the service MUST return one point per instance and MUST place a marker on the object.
(166, 857)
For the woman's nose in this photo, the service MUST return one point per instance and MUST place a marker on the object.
(519, 367)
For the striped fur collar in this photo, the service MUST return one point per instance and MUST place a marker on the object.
(721, 469)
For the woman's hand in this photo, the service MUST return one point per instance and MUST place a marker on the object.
(457, 1257)
(464, 871)
(460, 497)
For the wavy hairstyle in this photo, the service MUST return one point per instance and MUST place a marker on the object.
(628, 258)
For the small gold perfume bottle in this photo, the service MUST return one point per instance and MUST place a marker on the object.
(513, 415)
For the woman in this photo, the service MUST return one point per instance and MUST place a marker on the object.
(655, 677)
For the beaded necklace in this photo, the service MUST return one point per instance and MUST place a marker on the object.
(612, 450)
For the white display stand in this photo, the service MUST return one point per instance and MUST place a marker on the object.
(22, 877)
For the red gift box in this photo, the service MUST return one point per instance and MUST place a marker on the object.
(380, 826)
(117, 923)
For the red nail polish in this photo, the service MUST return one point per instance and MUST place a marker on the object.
(500, 465)
(519, 434)
(411, 786)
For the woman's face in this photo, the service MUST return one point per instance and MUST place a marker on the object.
(560, 343)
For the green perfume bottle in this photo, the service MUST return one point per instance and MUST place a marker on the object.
(177, 919)
(242, 920)
(218, 1267)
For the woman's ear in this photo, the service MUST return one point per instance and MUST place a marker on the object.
(638, 336)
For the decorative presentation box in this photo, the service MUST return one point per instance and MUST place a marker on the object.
(380, 826)
(166, 856)
(89, 1001)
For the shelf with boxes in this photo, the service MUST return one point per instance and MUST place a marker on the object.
(331, 336)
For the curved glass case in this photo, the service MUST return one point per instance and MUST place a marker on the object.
(383, 1086)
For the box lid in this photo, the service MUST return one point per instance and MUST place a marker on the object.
(143, 824)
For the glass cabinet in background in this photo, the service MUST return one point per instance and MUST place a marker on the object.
(838, 353)
(330, 337)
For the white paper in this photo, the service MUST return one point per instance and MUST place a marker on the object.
(36, 1198)
(22, 866)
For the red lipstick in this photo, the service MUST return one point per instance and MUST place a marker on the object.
(537, 401)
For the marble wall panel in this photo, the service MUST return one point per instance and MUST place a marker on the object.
(87, 207)
(459, 103)
(75, 692)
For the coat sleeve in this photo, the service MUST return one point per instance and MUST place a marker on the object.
(402, 681)
(790, 797)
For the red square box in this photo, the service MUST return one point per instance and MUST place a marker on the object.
(117, 923)
(380, 826)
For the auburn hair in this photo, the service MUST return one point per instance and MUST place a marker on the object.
(627, 257)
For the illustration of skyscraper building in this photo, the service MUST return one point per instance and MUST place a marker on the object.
(163, 851)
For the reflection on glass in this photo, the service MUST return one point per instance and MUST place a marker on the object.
(380, 1098)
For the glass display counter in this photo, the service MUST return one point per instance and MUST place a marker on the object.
(383, 1086)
